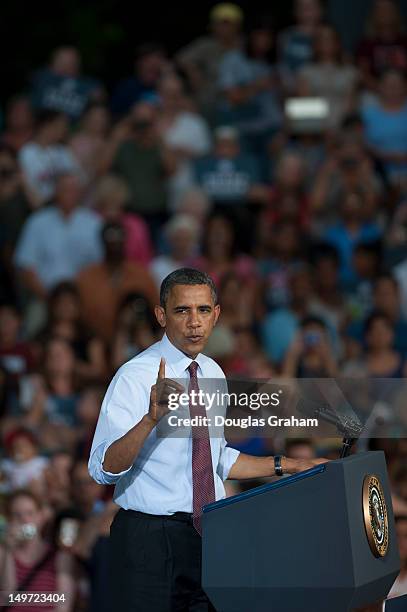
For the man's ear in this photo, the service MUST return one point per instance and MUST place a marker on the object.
(160, 315)
(217, 313)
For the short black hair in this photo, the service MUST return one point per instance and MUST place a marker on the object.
(311, 320)
(47, 115)
(186, 276)
(376, 315)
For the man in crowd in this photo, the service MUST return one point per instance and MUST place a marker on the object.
(58, 241)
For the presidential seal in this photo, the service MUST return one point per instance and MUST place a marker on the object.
(375, 516)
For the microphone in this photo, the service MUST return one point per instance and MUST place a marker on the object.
(346, 423)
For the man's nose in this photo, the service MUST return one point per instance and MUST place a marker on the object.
(194, 320)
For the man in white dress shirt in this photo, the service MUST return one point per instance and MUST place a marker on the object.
(162, 482)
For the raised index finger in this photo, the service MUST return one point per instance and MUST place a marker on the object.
(161, 370)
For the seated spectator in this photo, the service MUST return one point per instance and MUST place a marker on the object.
(45, 157)
(136, 330)
(57, 242)
(328, 77)
(184, 133)
(58, 480)
(23, 467)
(19, 123)
(385, 44)
(26, 558)
(65, 321)
(310, 355)
(102, 286)
(295, 44)
(347, 168)
(348, 232)
(380, 360)
(288, 199)
(149, 65)
(279, 327)
(237, 311)
(61, 86)
(328, 302)
(183, 234)
(249, 99)
(89, 140)
(281, 256)
(180, 128)
(247, 359)
(220, 255)
(227, 176)
(110, 200)
(196, 204)
(87, 495)
(15, 202)
(385, 125)
(48, 404)
(386, 299)
(367, 265)
(140, 161)
(200, 59)
(17, 357)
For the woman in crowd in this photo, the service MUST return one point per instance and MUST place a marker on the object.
(64, 321)
(385, 44)
(288, 199)
(136, 329)
(88, 143)
(385, 125)
(295, 43)
(28, 562)
(310, 354)
(184, 133)
(110, 199)
(182, 233)
(329, 77)
(51, 411)
(220, 256)
(380, 359)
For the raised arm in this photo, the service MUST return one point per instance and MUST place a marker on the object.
(120, 451)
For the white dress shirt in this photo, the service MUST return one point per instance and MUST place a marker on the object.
(59, 247)
(160, 479)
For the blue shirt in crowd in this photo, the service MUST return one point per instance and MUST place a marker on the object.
(58, 247)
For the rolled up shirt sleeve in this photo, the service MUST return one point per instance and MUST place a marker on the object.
(227, 458)
(124, 405)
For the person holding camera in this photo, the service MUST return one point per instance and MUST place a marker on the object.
(310, 354)
(28, 563)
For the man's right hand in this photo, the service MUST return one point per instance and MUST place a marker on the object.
(294, 466)
(160, 392)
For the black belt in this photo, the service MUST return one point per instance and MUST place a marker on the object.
(184, 517)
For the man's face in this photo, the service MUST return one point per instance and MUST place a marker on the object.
(68, 193)
(189, 316)
(227, 148)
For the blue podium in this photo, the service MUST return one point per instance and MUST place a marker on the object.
(319, 541)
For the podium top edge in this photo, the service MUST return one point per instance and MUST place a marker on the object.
(270, 486)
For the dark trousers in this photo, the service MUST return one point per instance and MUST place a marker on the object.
(155, 564)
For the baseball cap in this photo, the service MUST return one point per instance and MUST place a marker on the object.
(226, 11)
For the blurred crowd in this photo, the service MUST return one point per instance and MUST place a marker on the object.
(273, 160)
